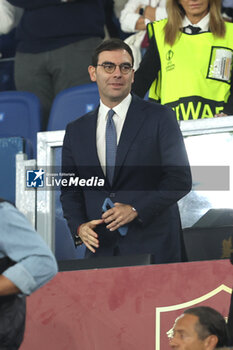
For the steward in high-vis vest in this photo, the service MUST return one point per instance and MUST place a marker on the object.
(196, 74)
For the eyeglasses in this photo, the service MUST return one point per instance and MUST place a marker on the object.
(110, 67)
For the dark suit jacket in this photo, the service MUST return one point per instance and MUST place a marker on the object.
(152, 173)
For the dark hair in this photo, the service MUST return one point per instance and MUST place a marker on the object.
(211, 322)
(111, 45)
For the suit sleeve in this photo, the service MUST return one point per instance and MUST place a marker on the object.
(148, 70)
(175, 181)
(72, 199)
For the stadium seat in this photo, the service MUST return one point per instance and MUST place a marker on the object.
(72, 103)
(208, 243)
(211, 236)
(20, 116)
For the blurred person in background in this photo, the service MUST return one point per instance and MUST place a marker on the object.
(9, 18)
(55, 41)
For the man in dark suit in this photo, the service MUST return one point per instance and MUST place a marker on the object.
(151, 169)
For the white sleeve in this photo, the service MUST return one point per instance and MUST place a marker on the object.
(161, 11)
(7, 17)
(128, 17)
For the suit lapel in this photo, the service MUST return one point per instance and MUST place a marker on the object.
(133, 122)
(134, 119)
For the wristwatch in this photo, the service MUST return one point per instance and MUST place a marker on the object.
(142, 10)
(77, 240)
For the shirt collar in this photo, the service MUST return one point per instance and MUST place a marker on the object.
(203, 23)
(121, 109)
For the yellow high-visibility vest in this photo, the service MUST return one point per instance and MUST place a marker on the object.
(195, 77)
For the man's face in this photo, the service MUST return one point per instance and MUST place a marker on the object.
(195, 9)
(185, 336)
(115, 86)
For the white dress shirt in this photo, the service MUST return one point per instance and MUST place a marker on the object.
(119, 118)
(203, 24)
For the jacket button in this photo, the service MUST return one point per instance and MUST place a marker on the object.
(112, 195)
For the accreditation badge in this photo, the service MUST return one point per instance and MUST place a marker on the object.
(220, 65)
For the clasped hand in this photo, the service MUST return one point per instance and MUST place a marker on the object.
(119, 215)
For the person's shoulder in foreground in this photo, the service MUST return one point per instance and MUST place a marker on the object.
(34, 263)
